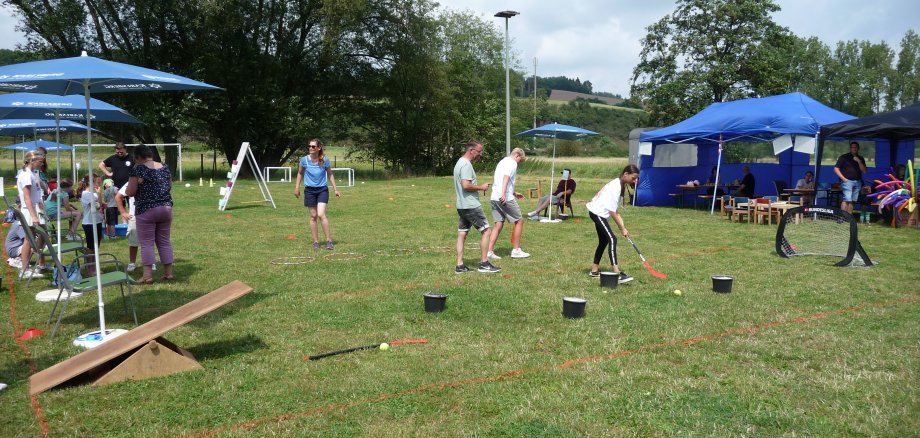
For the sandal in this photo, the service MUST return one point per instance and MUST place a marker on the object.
(144, 281)
(170, 278)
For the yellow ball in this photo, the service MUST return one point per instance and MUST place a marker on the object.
(677, 292)
(384, 346)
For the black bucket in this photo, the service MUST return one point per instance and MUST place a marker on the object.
(722, 283)
(610, 279)
(435, 302)
(573, 307)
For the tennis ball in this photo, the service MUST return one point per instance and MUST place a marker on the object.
(677, 292)
(384, 346)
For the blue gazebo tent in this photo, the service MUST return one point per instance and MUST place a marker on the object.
(689, 149)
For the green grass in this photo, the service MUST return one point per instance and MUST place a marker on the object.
(597, 105)
(798, 348)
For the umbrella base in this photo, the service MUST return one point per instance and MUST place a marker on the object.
(94, 339)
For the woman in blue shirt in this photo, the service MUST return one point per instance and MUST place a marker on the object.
(313, 172)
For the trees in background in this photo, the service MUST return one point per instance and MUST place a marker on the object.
(718, 50)
(407, 86)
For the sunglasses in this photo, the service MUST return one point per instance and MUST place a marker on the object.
(313, 146)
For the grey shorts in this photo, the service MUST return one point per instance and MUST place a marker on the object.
(133, 240)
(472, 217)
(510, 210)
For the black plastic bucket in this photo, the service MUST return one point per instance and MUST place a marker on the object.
(610, 279)
(573, 307)
(722, 283)
(435, 302)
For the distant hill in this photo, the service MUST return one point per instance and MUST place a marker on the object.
(568, 96)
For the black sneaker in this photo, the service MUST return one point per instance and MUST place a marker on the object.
(461, 269)
(594, 274)
(488, 268)
(624, 278)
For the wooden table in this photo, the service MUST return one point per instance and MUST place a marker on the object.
(830, 193)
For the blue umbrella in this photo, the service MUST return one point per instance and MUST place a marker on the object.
(37, 126)
(557, 130)
(82, 75)
(49, 106)
(48, 145)
(554, 131)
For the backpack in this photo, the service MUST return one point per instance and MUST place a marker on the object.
(72, 271)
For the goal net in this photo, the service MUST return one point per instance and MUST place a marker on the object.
(820, 231)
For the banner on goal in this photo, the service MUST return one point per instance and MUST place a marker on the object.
(821, 231)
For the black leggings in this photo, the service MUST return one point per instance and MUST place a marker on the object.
(605, 239)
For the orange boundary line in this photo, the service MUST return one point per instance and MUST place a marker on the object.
(251, 424)
(33, 367)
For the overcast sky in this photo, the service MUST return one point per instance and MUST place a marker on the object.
(598, 40)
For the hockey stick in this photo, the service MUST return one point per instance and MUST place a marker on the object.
(654, 273)
(364, 347)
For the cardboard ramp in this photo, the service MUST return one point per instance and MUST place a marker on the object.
(139, 354)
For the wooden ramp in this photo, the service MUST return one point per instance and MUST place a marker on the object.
(139, 354)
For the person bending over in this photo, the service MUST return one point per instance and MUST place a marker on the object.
(605, 205)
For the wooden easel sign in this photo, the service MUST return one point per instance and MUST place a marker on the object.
(245, 155)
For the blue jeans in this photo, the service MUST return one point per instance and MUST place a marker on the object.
(850, 190)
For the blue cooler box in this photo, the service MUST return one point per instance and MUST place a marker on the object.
(121, 230)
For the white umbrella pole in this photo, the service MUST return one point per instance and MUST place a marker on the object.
(552, 172)
(57, 139)
(95, 237)
(715, 189)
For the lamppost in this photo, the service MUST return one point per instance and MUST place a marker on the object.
(506, 15)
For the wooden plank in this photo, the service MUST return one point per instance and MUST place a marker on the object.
(109, 350)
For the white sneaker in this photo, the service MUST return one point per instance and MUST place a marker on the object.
(30, 274)
(153, 267)
(492, 256)
(131, 267)
(72, 236)
(14, 262)
(518, 253)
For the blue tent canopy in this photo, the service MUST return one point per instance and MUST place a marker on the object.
(750, 120)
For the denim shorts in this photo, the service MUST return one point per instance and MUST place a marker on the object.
(472, 217)
(850, 190)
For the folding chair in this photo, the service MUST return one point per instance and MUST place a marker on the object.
(780, 186)
(118, 276)
(49, 247)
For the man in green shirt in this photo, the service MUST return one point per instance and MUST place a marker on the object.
(470, 209)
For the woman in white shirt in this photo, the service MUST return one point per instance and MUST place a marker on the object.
(30, 199)
(605, 205)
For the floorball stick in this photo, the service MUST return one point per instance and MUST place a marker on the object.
(365, 347)
(654, 273)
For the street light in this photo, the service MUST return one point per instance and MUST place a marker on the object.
(506, 15)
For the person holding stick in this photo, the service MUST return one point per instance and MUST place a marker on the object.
(605, 205)
(470, 209)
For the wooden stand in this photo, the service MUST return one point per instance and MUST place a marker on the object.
(139, 354)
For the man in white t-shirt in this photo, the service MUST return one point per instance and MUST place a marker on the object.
(505, 206)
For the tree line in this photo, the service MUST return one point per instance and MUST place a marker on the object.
(406, 84)
(396, 80)
(709, 51)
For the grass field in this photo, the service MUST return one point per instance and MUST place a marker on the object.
(798, 348)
